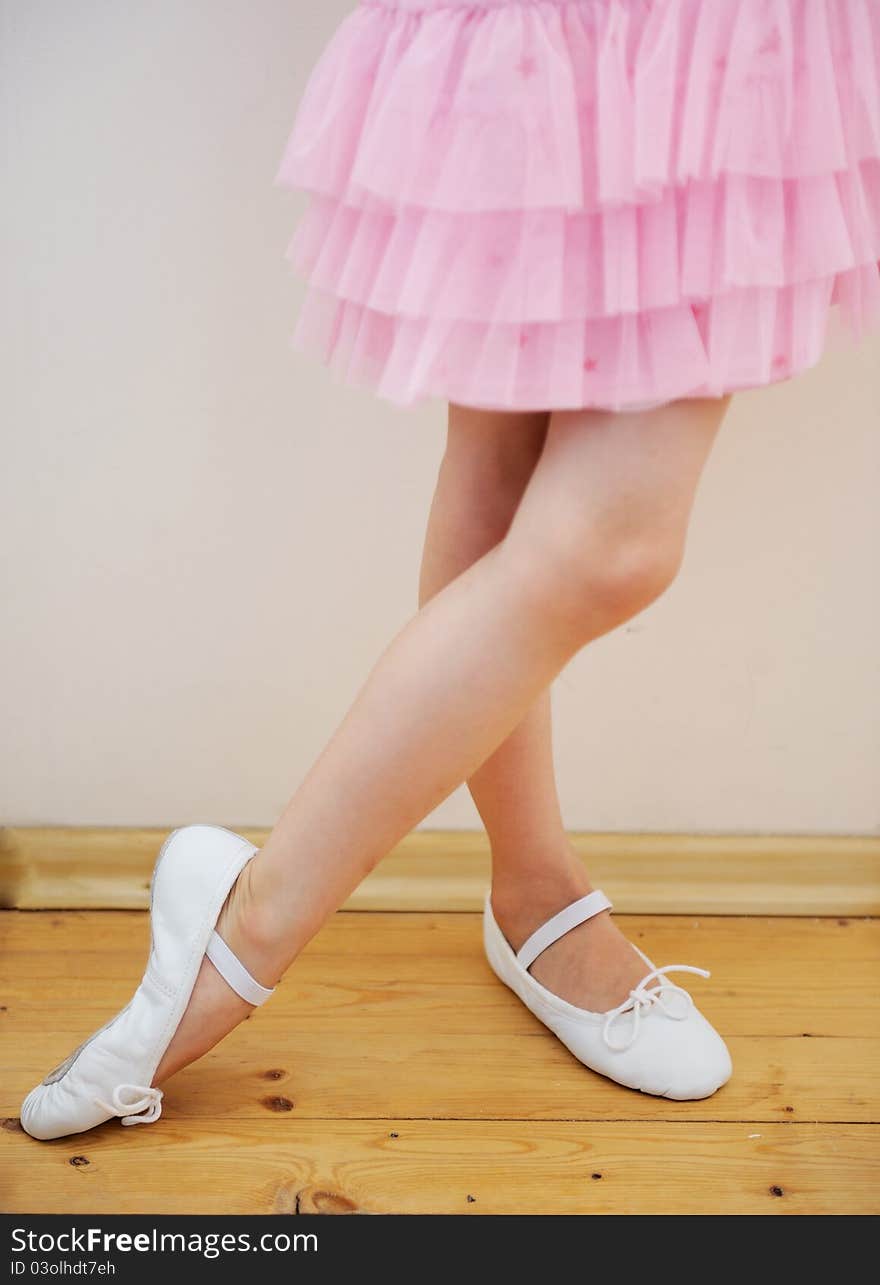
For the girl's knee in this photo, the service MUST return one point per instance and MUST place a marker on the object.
(634, 575)
(593, 583)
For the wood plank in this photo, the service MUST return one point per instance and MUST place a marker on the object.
(399, 1014)
(402, 1166)
(336, 1075)
(109, 868)
(397, 972)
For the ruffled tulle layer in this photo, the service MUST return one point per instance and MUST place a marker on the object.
(586, 104)
(691, 244)
(534, 203)
(741, 339)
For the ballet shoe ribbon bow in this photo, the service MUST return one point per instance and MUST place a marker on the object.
(136, 1110)
(643, 998)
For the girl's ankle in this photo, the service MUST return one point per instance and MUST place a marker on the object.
(524, 899)
(250, 927)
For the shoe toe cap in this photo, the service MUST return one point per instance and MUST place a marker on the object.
(37, 1116)
(65, 1106)
(683, 1060)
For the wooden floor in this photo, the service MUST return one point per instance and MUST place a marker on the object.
(393, 1073)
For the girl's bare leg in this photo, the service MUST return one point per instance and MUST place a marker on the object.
(487, 464)
(599, 533)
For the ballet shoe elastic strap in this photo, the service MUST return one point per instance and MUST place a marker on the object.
(577, 913)
(234, 973)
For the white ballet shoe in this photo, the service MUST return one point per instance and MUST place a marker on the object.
(656, 1041)
(111, 1073)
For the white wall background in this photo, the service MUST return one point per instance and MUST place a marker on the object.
(206, 541)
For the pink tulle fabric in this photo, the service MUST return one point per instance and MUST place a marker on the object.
(534, 204)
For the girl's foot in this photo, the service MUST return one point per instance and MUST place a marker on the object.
(169, 1019)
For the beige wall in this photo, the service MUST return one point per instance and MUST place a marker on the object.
(206, 542)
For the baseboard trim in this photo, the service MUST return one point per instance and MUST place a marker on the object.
(108, 868)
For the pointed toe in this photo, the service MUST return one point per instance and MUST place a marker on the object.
(111, 1073)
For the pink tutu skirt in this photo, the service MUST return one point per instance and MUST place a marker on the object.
(539, 204)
